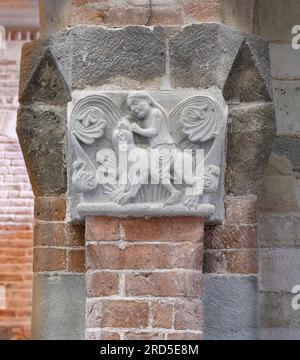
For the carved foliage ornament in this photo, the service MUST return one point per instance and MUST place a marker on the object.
(130, 156)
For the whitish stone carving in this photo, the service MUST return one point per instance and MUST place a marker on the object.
(146, 153)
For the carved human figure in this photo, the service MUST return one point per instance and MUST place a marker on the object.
(154, 118)
(176, 170)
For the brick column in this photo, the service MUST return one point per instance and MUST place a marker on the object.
(144, 278)
(58, 267)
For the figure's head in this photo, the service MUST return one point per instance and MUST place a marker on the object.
(139, 104)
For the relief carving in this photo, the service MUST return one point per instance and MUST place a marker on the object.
(131, 156)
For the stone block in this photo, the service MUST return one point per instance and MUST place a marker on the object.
(131, 57)
(58, 234)
(240, 209)
(250, 137)
(100, 121)
(279, 230)
(230, 304)
(237, 14)
(275, 310)
(166, 284)
(50, 208)
(201, 55)
(162, 315)
(275, 19)
(144, 256)
(250, 77)
(58, 307)
(188, 314)
(231, 261)
(116, 313)
(287, 106)
(49, 259)
(75, 259)
(278, 194)
(52, 70)
(230, 236)
(284, 61)
(144, 229)
(279, 269)
(42, 136)
(102, 283)
(288, 146)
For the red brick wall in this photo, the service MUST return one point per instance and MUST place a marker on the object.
(144, 278)
(16, 208)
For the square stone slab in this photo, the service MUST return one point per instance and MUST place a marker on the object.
(146, 153)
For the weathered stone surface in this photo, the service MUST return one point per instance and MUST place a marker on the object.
(250, 136)
(50, 208)
(53, 54)
(240, 209)
(279, 334)
(130, 57)
(144, 256)
(75, 259)
(231, 261)
(279, 269)
(275, 19)
(49, 259)
(58, 234)
(284, 61)
(298, 191)
(278, 191)
(174, 283)
(41, 131)
(58, 307)
(249, 78)
(287, 106)
(288, 146)
(278, 194)
(201, 55)
(230, 307)
(261, 55)
(188, 314)
(116, 313)
(46, 84)
(162, 315)
(275, 310)
(235, 13)
(278, 166)
(102, 283)
(279, 230)
(230, 236)
(54, 15)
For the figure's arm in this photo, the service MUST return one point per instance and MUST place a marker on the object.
(150, 132)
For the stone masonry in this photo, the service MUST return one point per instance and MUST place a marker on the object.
(279, 205)
(166, 58)
(230, 280)
(16, 198)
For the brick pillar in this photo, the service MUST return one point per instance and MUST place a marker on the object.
(144, 278)
(58, 267)
(231, 272)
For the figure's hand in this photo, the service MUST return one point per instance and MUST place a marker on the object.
(134, 127)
